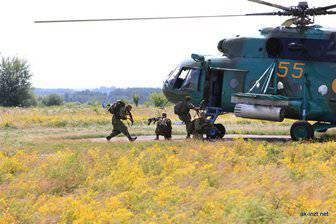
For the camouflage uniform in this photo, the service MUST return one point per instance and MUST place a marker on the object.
(163, 126)
(185, 115)
(201, 126)
(118, 126)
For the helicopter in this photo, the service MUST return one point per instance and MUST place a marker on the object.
(286, 72)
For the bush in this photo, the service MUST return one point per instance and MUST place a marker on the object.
(158, 99)
(52, 100)
(30, 102)
(136, 99)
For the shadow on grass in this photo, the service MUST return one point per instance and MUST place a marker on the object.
(326, 138)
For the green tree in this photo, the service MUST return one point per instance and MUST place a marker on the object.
(52, 100)
(15, 86)
(136, 99)
(158, 99)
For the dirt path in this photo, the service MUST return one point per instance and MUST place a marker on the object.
(270, 138)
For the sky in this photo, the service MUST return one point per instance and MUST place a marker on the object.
(122, 54)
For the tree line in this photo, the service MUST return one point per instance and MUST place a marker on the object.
(16, 90)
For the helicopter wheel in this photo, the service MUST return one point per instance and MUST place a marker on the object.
(217, 133)
(220, 131)
(302, 130)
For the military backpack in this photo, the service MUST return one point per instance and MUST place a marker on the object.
(115, 107)
(178, 108)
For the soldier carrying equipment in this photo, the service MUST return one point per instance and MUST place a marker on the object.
(163, 126)
(182, 109)
(201, 126)
(120, 112)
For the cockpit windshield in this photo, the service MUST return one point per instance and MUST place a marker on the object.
(188, 79)
(172, 75)
(191, 79)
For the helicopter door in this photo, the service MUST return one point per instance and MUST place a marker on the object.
(219, 86)
(233, 82)
(213, 88)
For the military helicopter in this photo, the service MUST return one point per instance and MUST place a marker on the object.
(287, 72)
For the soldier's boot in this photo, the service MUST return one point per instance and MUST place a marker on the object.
(188, 136)
(113, 134)
(130, 138)
(157, 138)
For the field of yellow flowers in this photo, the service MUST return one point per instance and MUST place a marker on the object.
(174, 182)
(50, 174)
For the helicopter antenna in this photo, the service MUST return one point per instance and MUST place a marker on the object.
(301, 15)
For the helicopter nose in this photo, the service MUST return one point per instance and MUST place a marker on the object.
(168, 91)
(165, 88)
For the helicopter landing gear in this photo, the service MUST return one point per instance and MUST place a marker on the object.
(302, 130)
(220, 130)
(217, 133)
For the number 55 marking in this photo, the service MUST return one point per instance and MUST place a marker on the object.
(298, 67)
(284, 67)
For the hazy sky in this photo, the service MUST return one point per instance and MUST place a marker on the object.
(122, 54)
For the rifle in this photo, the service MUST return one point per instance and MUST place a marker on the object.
(153, 120)
(131, 117)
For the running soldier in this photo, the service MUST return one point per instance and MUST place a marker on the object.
(163, 126)
(182, 109)
(120, 112)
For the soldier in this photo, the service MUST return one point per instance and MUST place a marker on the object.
(201, 126)
(120, 112)
(182, 109)
(163, 126)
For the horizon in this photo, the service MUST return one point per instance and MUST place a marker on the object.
(94, 88)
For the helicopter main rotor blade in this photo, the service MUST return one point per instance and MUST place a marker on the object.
(326, 7)
(270, 4)
(135, 19)
(269, 14)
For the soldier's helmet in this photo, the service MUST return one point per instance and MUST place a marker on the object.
(129, 107)
(164, 115)
(187, 98)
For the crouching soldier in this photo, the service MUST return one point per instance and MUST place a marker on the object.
(182, 109)
(201, 126)
(163, 126)
(120, 111)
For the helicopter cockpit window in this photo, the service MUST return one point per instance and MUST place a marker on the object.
(172, 75)
(188, 79)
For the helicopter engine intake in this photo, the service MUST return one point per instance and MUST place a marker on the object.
(267, 113)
